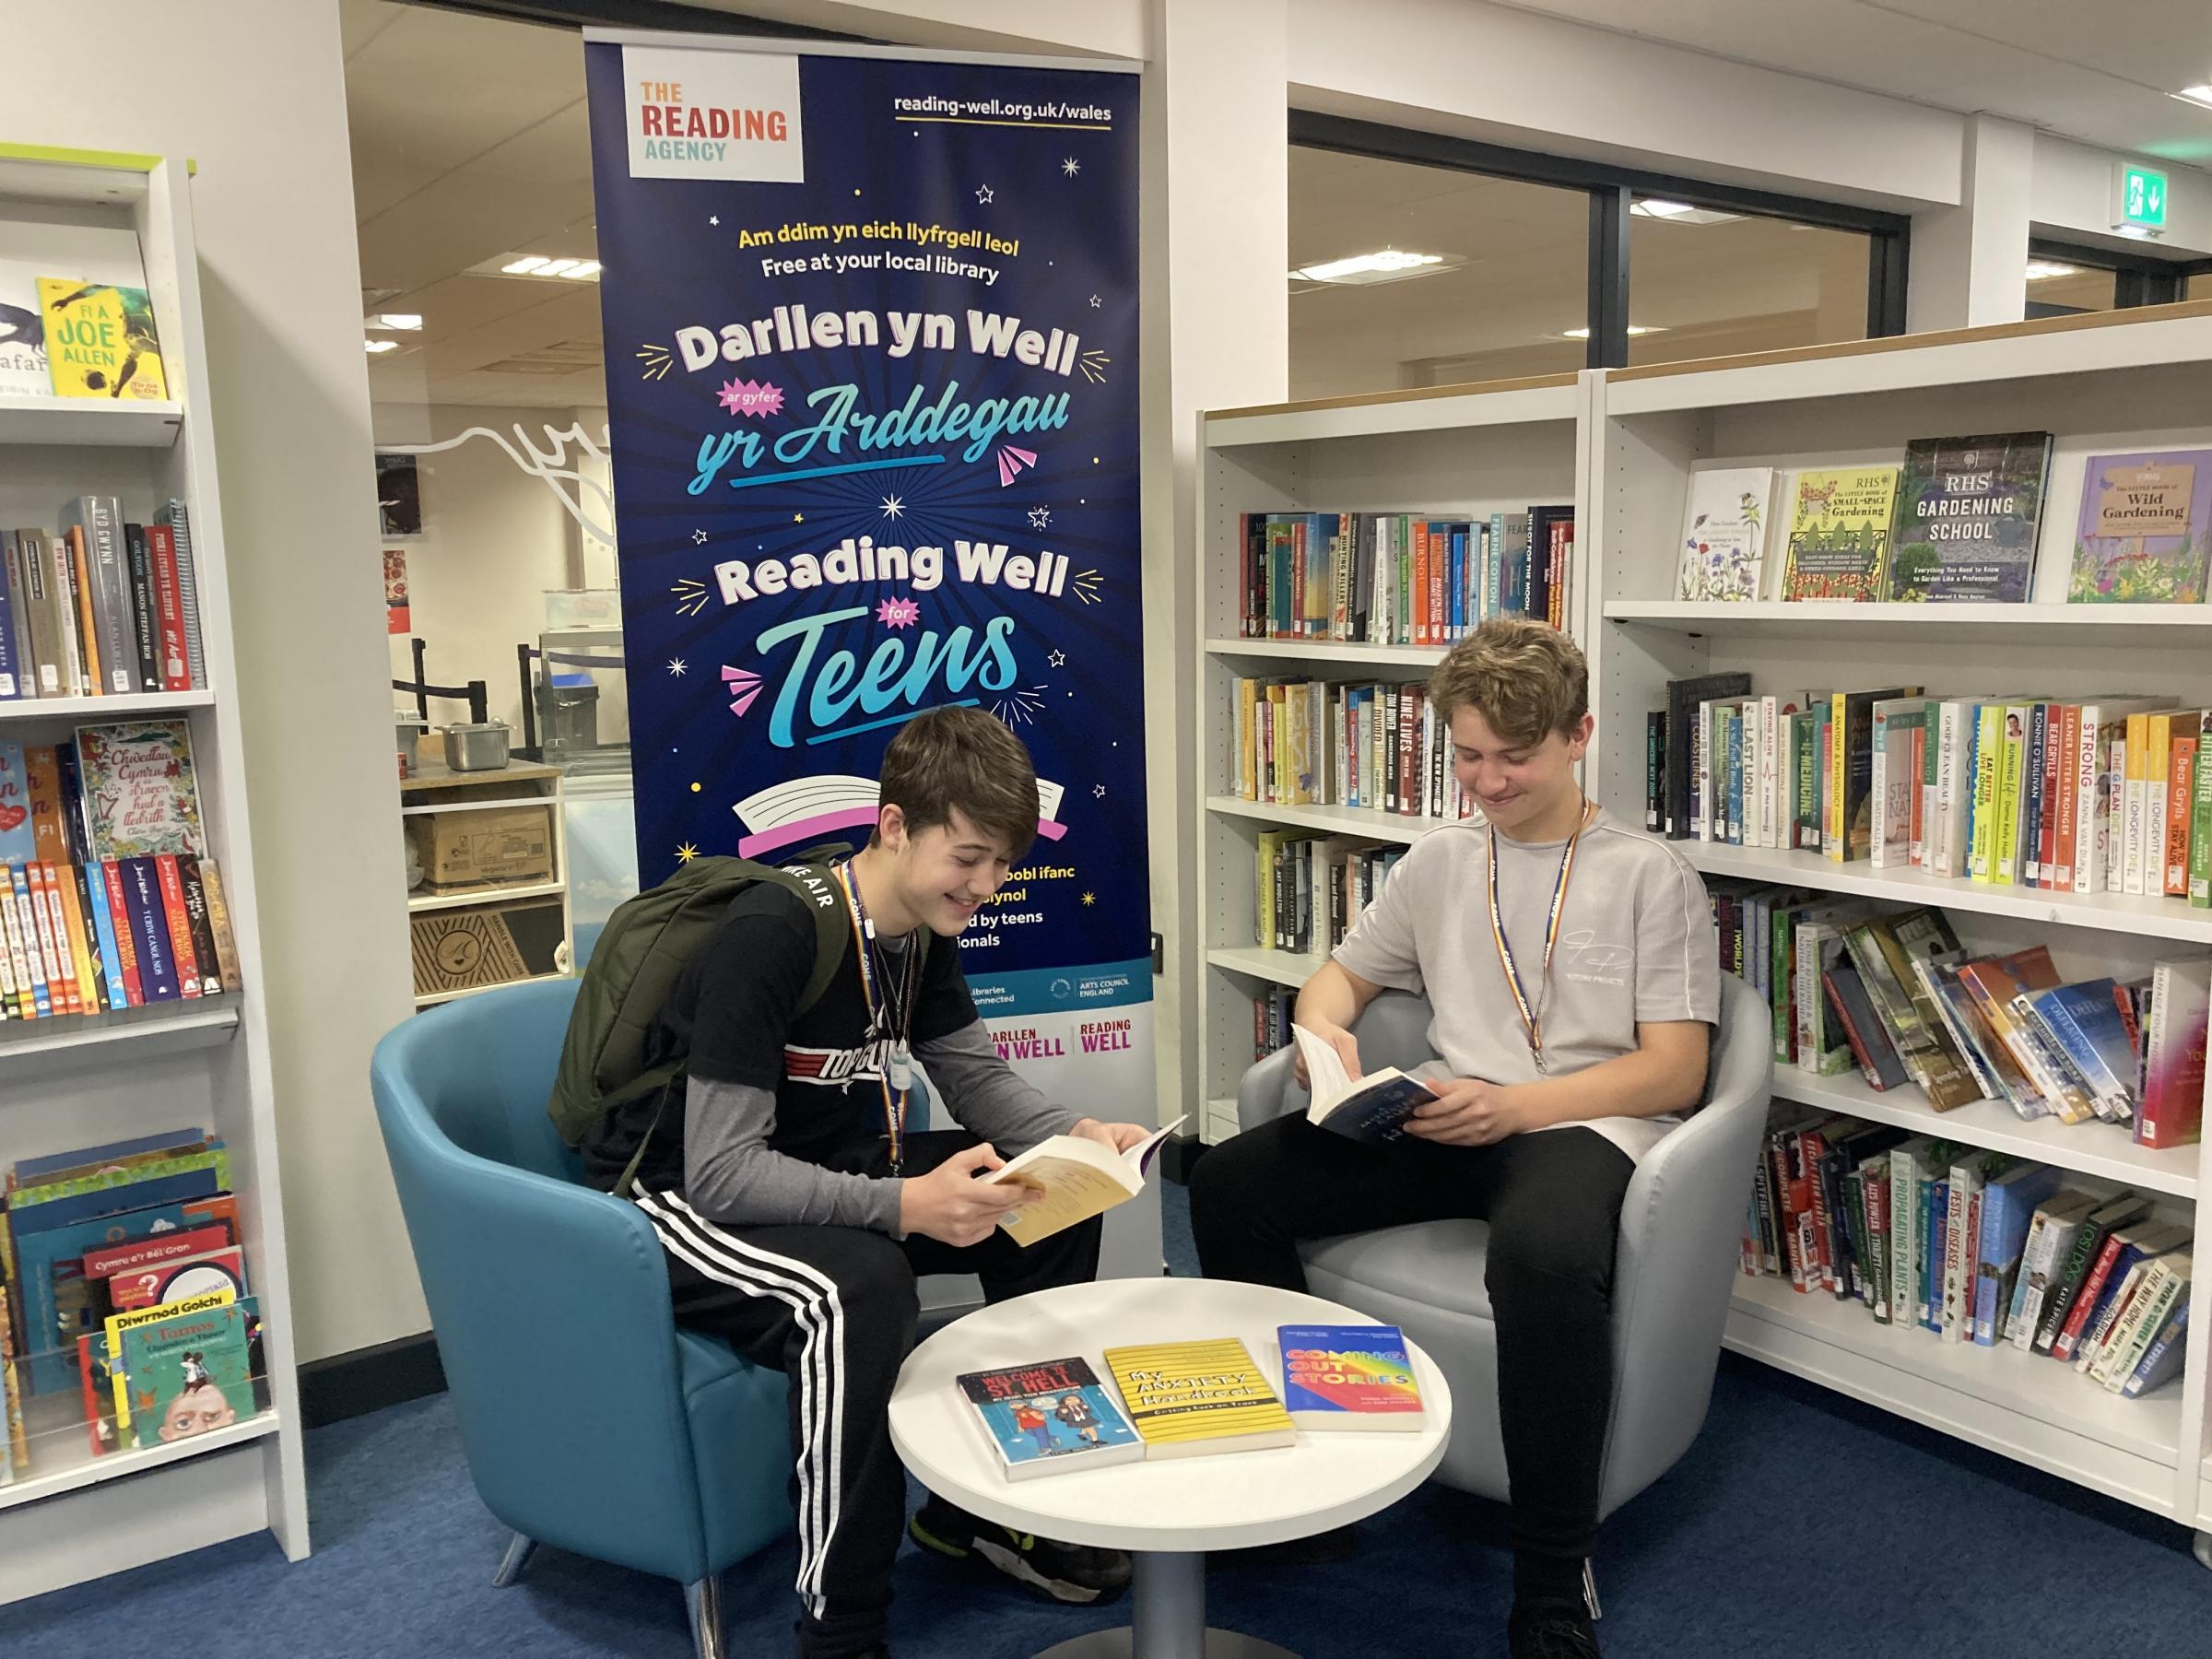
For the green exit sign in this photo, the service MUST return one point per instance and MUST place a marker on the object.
(2138, 198)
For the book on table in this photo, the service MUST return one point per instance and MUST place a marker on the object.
(1071, 1178)
(1349, 1377)
(1049, 1418)
(1187, 1399)
(1373, 1106)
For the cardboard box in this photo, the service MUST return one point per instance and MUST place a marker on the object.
(503, 846)
(484, 943)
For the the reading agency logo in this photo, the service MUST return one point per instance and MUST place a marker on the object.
(707, 115)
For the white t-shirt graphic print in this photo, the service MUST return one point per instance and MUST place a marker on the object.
(1635, 945)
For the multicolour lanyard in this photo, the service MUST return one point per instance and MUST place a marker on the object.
(898, 1077)
(1532, 1014)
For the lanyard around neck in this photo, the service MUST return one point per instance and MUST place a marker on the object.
(896, 1077)
(1532, 1013)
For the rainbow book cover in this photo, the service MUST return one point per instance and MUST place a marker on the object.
(1349, 1377)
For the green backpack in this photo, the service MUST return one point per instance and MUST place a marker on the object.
(634, 966)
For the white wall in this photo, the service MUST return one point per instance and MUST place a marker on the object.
(280, 281)
(2073, 197)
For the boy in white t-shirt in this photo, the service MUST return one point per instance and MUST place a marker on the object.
(1572, 1036)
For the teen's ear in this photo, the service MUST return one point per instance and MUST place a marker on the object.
(1578, 740)
(890, 826)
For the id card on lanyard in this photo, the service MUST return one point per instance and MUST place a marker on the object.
(898, 1077)
(1532, 1013)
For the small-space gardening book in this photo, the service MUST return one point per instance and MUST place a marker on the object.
(1372, 1107)
(1049, 1418)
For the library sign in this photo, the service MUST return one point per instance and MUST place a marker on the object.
(871, 334)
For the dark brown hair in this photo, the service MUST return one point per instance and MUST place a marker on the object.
(1527, 678)
(962, 760)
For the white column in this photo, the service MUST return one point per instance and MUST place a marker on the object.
(1969, 262)
(1217, 300)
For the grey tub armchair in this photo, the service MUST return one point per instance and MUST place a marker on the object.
(1680, 1225)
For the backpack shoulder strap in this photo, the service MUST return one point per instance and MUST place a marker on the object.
(811, 884)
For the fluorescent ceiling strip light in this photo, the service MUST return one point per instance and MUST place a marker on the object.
(1634, 328)
(2042, 270)
(377, 345)
(401, 322)
(2195, 95)
(1388, 260)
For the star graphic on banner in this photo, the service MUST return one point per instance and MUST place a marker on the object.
(1070, 167)
(1094, 302)
(1040, 517)
(1091, 899)
(676, 667)
(685, 853)
(892, 507)
(1099, 791)
(713, 219)
(1058, 659)
(982, 195)
(699, 539)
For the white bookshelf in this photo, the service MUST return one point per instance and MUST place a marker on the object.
(1620, 444)
(75, 1082)
(2133, 380)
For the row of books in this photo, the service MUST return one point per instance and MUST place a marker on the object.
(1187, 1399)
(1400, 578)
(1325, 743)
(123, 1286)
(2018, 789)
(67, 337)
(100, 608)
(1957, 520)
(1895, 993)
(111, 901)
(1313, 887)
(1972, 1246)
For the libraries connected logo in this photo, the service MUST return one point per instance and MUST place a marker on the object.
(713, 115)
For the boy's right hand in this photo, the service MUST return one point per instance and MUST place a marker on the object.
(954, 1207)
(1336, 1037)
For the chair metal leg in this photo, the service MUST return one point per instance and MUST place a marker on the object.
(519, 1551)
(704, 1601)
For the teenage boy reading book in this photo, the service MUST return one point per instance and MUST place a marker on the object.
(1572, 968)
(795, 1212)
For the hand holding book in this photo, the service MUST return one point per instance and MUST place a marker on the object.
(1362, 1106)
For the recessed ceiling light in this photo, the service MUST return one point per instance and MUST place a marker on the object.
(1386, 264)
(1634, 328)
(572, 267)
(2042, 270)
(584, 270)
(377, 345)
(402, 322)
(1680, 213)
(2138, 233)
(525, 265)
(2195, 95)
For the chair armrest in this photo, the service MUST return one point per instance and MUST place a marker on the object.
(1271, 1089)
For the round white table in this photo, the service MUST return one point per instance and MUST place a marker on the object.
(1170, 1513)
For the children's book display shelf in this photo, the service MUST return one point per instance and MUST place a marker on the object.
(1621, 444)
(91, 1079)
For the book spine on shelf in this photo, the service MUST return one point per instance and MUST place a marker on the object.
(142, 897)
(31, 938)
(146, 618)
(179, 519)
(2181, 803)
(169, 595)
(126, 942)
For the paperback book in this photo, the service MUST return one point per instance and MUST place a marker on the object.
(1373, 1106)
(2146, 529)
(1966, 513)
(1349, 1377)
(1724, 521)
(101, 340)
(1049, 1418)
(1071, 1178)
(1839, 536)
(1186, 1399)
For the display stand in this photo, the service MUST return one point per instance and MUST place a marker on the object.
(82, 1080)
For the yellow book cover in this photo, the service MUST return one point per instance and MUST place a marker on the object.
(1248, 757)
(2133, 792)
(1834, 836)
(80, 951)
(2011, 769)
(1294, 742)
(1272, 771)
(101, 340)
(1987, 738)
(1839, 540)
(120, 1322)
(1188, 1398)
(1270, 845)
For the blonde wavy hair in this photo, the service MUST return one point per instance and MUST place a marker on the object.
(1526, 679)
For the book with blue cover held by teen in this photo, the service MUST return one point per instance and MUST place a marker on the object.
(1373, 1106)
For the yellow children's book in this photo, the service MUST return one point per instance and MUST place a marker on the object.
(1190, 1398)
(101, 340)
(1839, 538)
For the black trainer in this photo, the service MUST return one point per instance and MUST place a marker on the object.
(1064, 1573)
(1550, 1631)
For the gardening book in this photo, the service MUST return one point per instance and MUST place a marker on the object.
(1349, 1377)
(1049, 1418)
(101, 340)
(1072, 1180)
(2145, 531)
(1966, 513)
(1839, 535)
(1190, 1398)
(1724, 521)
(1373, 1106)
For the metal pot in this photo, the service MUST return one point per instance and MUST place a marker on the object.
(481, 748)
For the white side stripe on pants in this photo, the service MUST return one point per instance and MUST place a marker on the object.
(814, 1301)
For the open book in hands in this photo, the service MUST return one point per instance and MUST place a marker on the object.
(1071, 1180)
(1372, 1106)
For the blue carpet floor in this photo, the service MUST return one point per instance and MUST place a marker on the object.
(1799, 1524)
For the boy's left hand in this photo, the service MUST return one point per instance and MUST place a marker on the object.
(1466, 1112)
(1120, 1136)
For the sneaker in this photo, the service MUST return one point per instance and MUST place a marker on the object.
(1065, 1572)
(1548, 1631)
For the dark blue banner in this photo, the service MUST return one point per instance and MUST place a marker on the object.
(871, 330)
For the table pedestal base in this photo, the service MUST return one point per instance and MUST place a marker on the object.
(1168, 1619)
